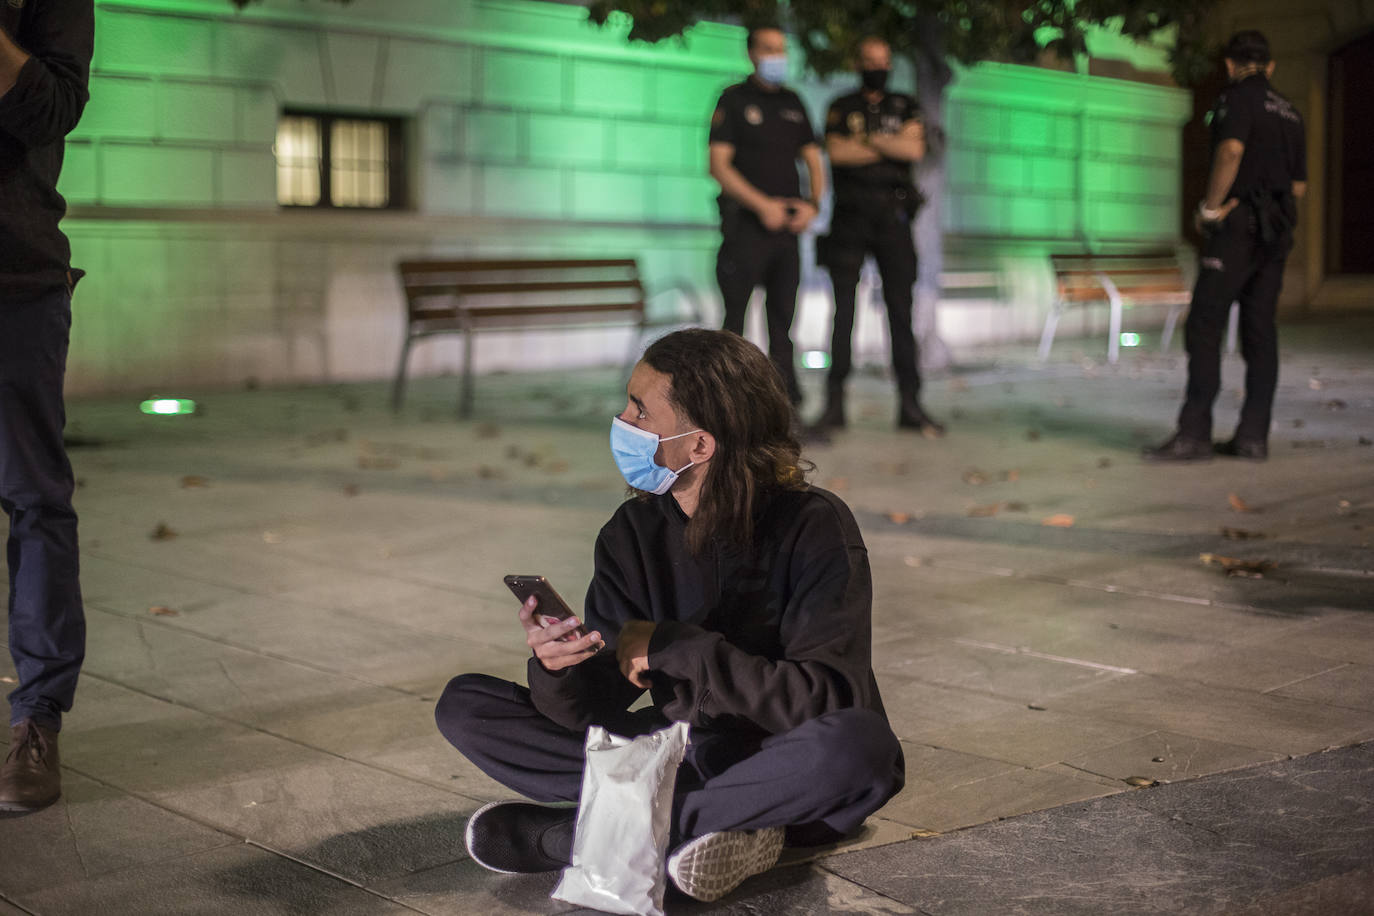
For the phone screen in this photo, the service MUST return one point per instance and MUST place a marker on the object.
(550, 607)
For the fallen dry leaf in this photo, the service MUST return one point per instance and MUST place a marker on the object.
(487, 472)
(1335, 404)
(557, 467)
(1011, 476)
(1299, 424)
(1033, 435)
(1239, 505)
(899, 518)
(1141, 781)
(837, 484)
(194, 480)
(1104, 462)
(913, 561)
(1015, 506)
(975, 477)
(350, 489)
(985, 511)
(1234, 566)
(158, 610)
(1315, 384)
(163, 532)
(1240, 534)
(1365, 440)
(271, 537)
(8, 680)
(923, 834)
(1058, 521)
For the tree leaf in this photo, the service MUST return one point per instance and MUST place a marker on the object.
(1058, 521)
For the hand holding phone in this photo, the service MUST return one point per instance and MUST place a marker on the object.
(550, 608)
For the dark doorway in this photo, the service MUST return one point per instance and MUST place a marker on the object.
(1350, 170)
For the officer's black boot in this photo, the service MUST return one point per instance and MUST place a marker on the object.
(911, 416)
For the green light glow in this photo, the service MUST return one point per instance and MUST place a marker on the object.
(168, 406)
(1130, 340)
(816, 359)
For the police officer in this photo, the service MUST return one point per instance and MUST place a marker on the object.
(758, 131)
(873, 137)
(1259, 172)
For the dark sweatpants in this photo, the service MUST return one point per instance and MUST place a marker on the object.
(821, 779)
(1233, 267)
(47, 625)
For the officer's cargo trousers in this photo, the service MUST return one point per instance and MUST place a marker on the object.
(1235, 266)
(750, 256)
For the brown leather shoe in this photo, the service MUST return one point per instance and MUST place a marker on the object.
(30, 778)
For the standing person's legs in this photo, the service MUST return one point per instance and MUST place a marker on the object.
(1222, 270)
(896, 257)
(782, 275)
(47, 626)
(1259, 343)
(847, 247)
(739, 266)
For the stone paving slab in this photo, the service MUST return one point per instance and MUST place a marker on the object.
(1255, 839)
(334, 564)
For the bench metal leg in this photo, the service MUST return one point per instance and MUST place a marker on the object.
(1114, 332)
(1047, 335)
(465, 394)
(398, 388)
(1170, 323)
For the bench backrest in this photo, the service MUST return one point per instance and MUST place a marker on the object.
(1135, 274)
(521, 290)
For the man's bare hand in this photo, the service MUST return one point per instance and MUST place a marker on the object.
(772, 213)
(1201, 225)
(632, 651)
(548, 643)
(802, 217)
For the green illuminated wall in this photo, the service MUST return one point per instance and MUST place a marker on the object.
(533, 131)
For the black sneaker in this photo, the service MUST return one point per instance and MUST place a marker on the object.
(711, 866)
(1180, 448)
(517, 838)
(1238, 448)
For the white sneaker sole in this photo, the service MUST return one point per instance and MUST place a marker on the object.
(713, 865)
(467, 837)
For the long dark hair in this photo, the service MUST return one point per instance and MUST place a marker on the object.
(725, 385)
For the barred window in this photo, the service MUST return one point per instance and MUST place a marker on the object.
(338, 161)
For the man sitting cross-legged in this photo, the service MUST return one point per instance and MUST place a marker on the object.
(739, 597)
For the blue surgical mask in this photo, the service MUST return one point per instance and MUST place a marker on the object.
(773, 69)
(634, 451)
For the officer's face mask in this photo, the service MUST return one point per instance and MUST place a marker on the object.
(875, 80)
(773, 69)
(634, 450)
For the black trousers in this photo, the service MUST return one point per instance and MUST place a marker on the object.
(820, 780)
(1234, 267)
(880, 228)
(750, 256)
(47, 624)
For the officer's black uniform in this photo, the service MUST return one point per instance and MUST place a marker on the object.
(874, 206)
(1242, 259)
(768, 128)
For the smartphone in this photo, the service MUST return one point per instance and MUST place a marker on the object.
(551, 607)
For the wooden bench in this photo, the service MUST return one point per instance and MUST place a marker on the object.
(467, 296)
(1121, 280)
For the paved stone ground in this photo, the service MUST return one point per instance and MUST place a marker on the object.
(279, 587)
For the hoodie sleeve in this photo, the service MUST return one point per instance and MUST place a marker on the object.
(593, 692)
(825, 632)
(51, 91)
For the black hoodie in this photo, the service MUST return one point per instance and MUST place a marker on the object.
(760, 640)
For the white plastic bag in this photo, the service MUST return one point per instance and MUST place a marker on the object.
(623, 821)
